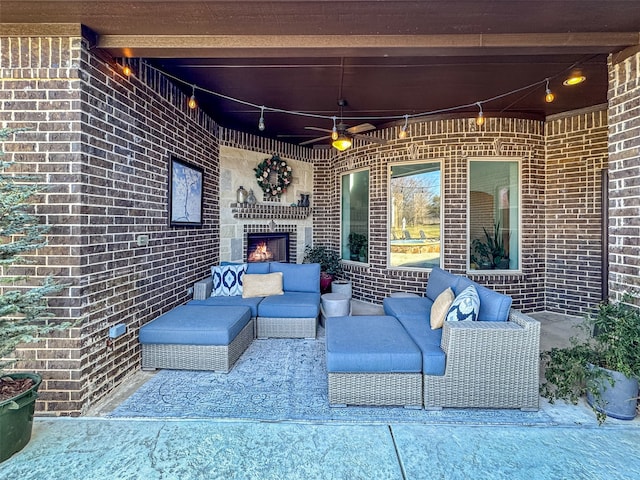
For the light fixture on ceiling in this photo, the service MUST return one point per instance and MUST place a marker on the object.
(192, 101)
(575, 78)
(342, 142)
(334, 130)
(261, 121)
(403, 129)
(480, 117)
(549, 96)
(126, 70)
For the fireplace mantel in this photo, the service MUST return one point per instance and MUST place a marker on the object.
(269, 211)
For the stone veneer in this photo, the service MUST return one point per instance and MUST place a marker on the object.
(101, 141)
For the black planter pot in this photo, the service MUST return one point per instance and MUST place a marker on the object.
(618, 401)
(16, 418)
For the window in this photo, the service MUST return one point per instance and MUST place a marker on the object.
(494, 215)
(355, 216)
(415, 230)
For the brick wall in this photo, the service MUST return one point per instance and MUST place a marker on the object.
(452, 142)
(576, 155)
(624, 173)
(102, 143)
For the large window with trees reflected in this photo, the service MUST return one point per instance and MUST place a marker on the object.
(414, 215)
(355, 216)
(494, 214)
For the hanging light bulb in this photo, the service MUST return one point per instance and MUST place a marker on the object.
(193, 104)
(403, 129)
(126, 70)
(261, 121)
(549, 97)
(334, 130)
(480, 117)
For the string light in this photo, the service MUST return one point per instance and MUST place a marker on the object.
(480, 117)
(403, 129)
(261, 121)
(549, 97)
(193, 104)
(126, 70)
(334, 130)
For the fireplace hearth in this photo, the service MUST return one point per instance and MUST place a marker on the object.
(268, 247)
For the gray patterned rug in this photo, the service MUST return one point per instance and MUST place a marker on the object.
(284, 380)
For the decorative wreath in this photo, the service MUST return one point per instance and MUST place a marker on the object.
(274, 175)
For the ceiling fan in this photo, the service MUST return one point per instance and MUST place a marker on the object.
(342, 135)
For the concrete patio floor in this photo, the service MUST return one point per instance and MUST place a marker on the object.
(574, 447)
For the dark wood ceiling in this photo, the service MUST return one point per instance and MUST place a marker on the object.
(386, 58)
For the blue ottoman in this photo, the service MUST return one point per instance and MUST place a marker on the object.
(197, 337)
(372, 360)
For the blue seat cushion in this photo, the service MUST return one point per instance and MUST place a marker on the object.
(494, 306)
(299, 277)
(232, 301)
(428, 340)
(413, 307)
(370, 344)
(290, 305)
(196, 325)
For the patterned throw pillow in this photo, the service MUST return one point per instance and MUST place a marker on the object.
(227, 280)
(465, 306)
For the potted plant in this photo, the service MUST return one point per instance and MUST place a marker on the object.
(603, 364)
(329, 261)
(491, 252)
(21, 309)
(356, 241)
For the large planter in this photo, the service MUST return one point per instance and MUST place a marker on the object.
(618, 401)
(325, 282)
(341, 286)
(16, 418)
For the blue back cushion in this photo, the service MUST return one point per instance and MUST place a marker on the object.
(298, 277)
(253, 267)
(439, 281)
(494, 306)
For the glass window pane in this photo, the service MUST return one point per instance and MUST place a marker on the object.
(355, 216)
(414, 215)
(494, 215)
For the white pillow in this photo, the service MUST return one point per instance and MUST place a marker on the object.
(262, 284)
(465, 306)
(227, 280)
(440, 308)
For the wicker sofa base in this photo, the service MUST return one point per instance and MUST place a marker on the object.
(219, 358)
(272, 327)
(375, 389)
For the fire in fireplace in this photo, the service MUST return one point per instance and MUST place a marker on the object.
(267, 247)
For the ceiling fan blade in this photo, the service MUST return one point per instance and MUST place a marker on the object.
(308, 142)
(369, 138)
(318, 129)
(363, 127)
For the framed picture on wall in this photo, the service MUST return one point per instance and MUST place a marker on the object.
(185, 194)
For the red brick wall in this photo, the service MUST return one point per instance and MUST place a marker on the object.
(624, 174)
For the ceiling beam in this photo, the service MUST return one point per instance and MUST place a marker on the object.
(226, 46)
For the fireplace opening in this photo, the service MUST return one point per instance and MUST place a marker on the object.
(268, 247)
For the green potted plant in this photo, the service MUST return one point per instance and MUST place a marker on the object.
(491, 253)
(21, 309)
(356, 241)
(329, 260)
(603, 363)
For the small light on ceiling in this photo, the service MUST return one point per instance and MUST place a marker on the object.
(575, 78)
(192, 104)
(480, 117)
(342, 143)
(403, 129)
(261, 121)
(334, 130)
(549, 97)
(126, 70)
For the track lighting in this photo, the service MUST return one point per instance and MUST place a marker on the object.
(261, 121)
(403, 129)
(549, 97)
(342, 143)
(192, 101)
(334, 130)
(480, 117)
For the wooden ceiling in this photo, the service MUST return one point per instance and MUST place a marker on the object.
(387, 58)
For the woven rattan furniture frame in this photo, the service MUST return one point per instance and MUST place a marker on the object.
(219, 358)
(377, 389)
(285, 327)
(489, 365)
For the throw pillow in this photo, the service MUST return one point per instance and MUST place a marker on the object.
(262, 285)
(465, 306)
(440, 308)
(227, 280)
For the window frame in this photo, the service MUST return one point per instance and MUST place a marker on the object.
(343, 240)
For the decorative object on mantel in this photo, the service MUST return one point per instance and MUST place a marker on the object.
(304, 200)
(274, 176)
(272, 226)
(241, 195)
(251, 198)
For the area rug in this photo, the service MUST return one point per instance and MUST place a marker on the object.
(283, 380)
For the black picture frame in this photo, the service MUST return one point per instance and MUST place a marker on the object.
(186, 188)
